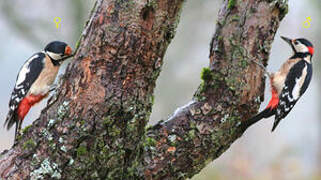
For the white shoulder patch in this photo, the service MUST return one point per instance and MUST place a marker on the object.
(24, 71)
(299, 83)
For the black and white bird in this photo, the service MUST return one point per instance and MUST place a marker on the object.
(289, 83)
(34, 81)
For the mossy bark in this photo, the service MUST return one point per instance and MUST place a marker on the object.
(231, 91)
(94, 125)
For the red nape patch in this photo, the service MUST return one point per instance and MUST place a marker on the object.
(68, 51)
(274, 100)
(311, 50)
(26, 104)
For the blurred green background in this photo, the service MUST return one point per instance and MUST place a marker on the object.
(292, 152)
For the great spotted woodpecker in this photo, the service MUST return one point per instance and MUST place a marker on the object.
(289, 83)
(34, 81)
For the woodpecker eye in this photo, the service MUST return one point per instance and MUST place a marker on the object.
(296, 43)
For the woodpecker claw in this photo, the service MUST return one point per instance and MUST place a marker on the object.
(262, 66)
(53, 87)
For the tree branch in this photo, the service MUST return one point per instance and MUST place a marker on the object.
(94, 125)
(231, 91)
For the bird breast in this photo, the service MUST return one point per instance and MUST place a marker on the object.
(279, 77)
(46, 78)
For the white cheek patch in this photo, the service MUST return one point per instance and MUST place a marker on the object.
(54, 55)
(24, 71)
(301, 48)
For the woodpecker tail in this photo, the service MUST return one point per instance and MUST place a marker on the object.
(267, 112)
(276, 122)
(11, 119)
(17, 114)
(263, 114)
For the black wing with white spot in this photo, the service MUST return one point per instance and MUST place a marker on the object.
(28, 74)
(296, 83)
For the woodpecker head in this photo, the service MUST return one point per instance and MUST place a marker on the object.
(300, 45)
(58, 51)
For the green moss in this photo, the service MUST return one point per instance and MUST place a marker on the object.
(77, 45)
(107, 121)
(253, 10)
(26, 129)
(206, 74)
(81, 150)
(52, 145)
(209, 80)
(231, 4)
(192, 123)
(152, 4)
(243, 63)
(30, 144)
(235, 18)
(19, 137)
(191, 134)
(231, 83)
(149, 141)
(281, 5)
(152, 99)
(148, 127)
(283, 11)
(115, 132)
(133, 169)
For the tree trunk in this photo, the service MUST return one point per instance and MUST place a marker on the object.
(94, 126)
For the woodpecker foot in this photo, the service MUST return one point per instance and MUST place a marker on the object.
(262, 67)
(53, 87)
(17, 137)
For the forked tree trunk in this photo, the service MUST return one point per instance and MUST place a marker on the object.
(94, 127)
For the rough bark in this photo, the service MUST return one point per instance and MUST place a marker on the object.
(94, 125)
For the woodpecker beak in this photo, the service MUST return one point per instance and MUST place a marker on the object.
(67, 54)
(68, 51)
(288, 40)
